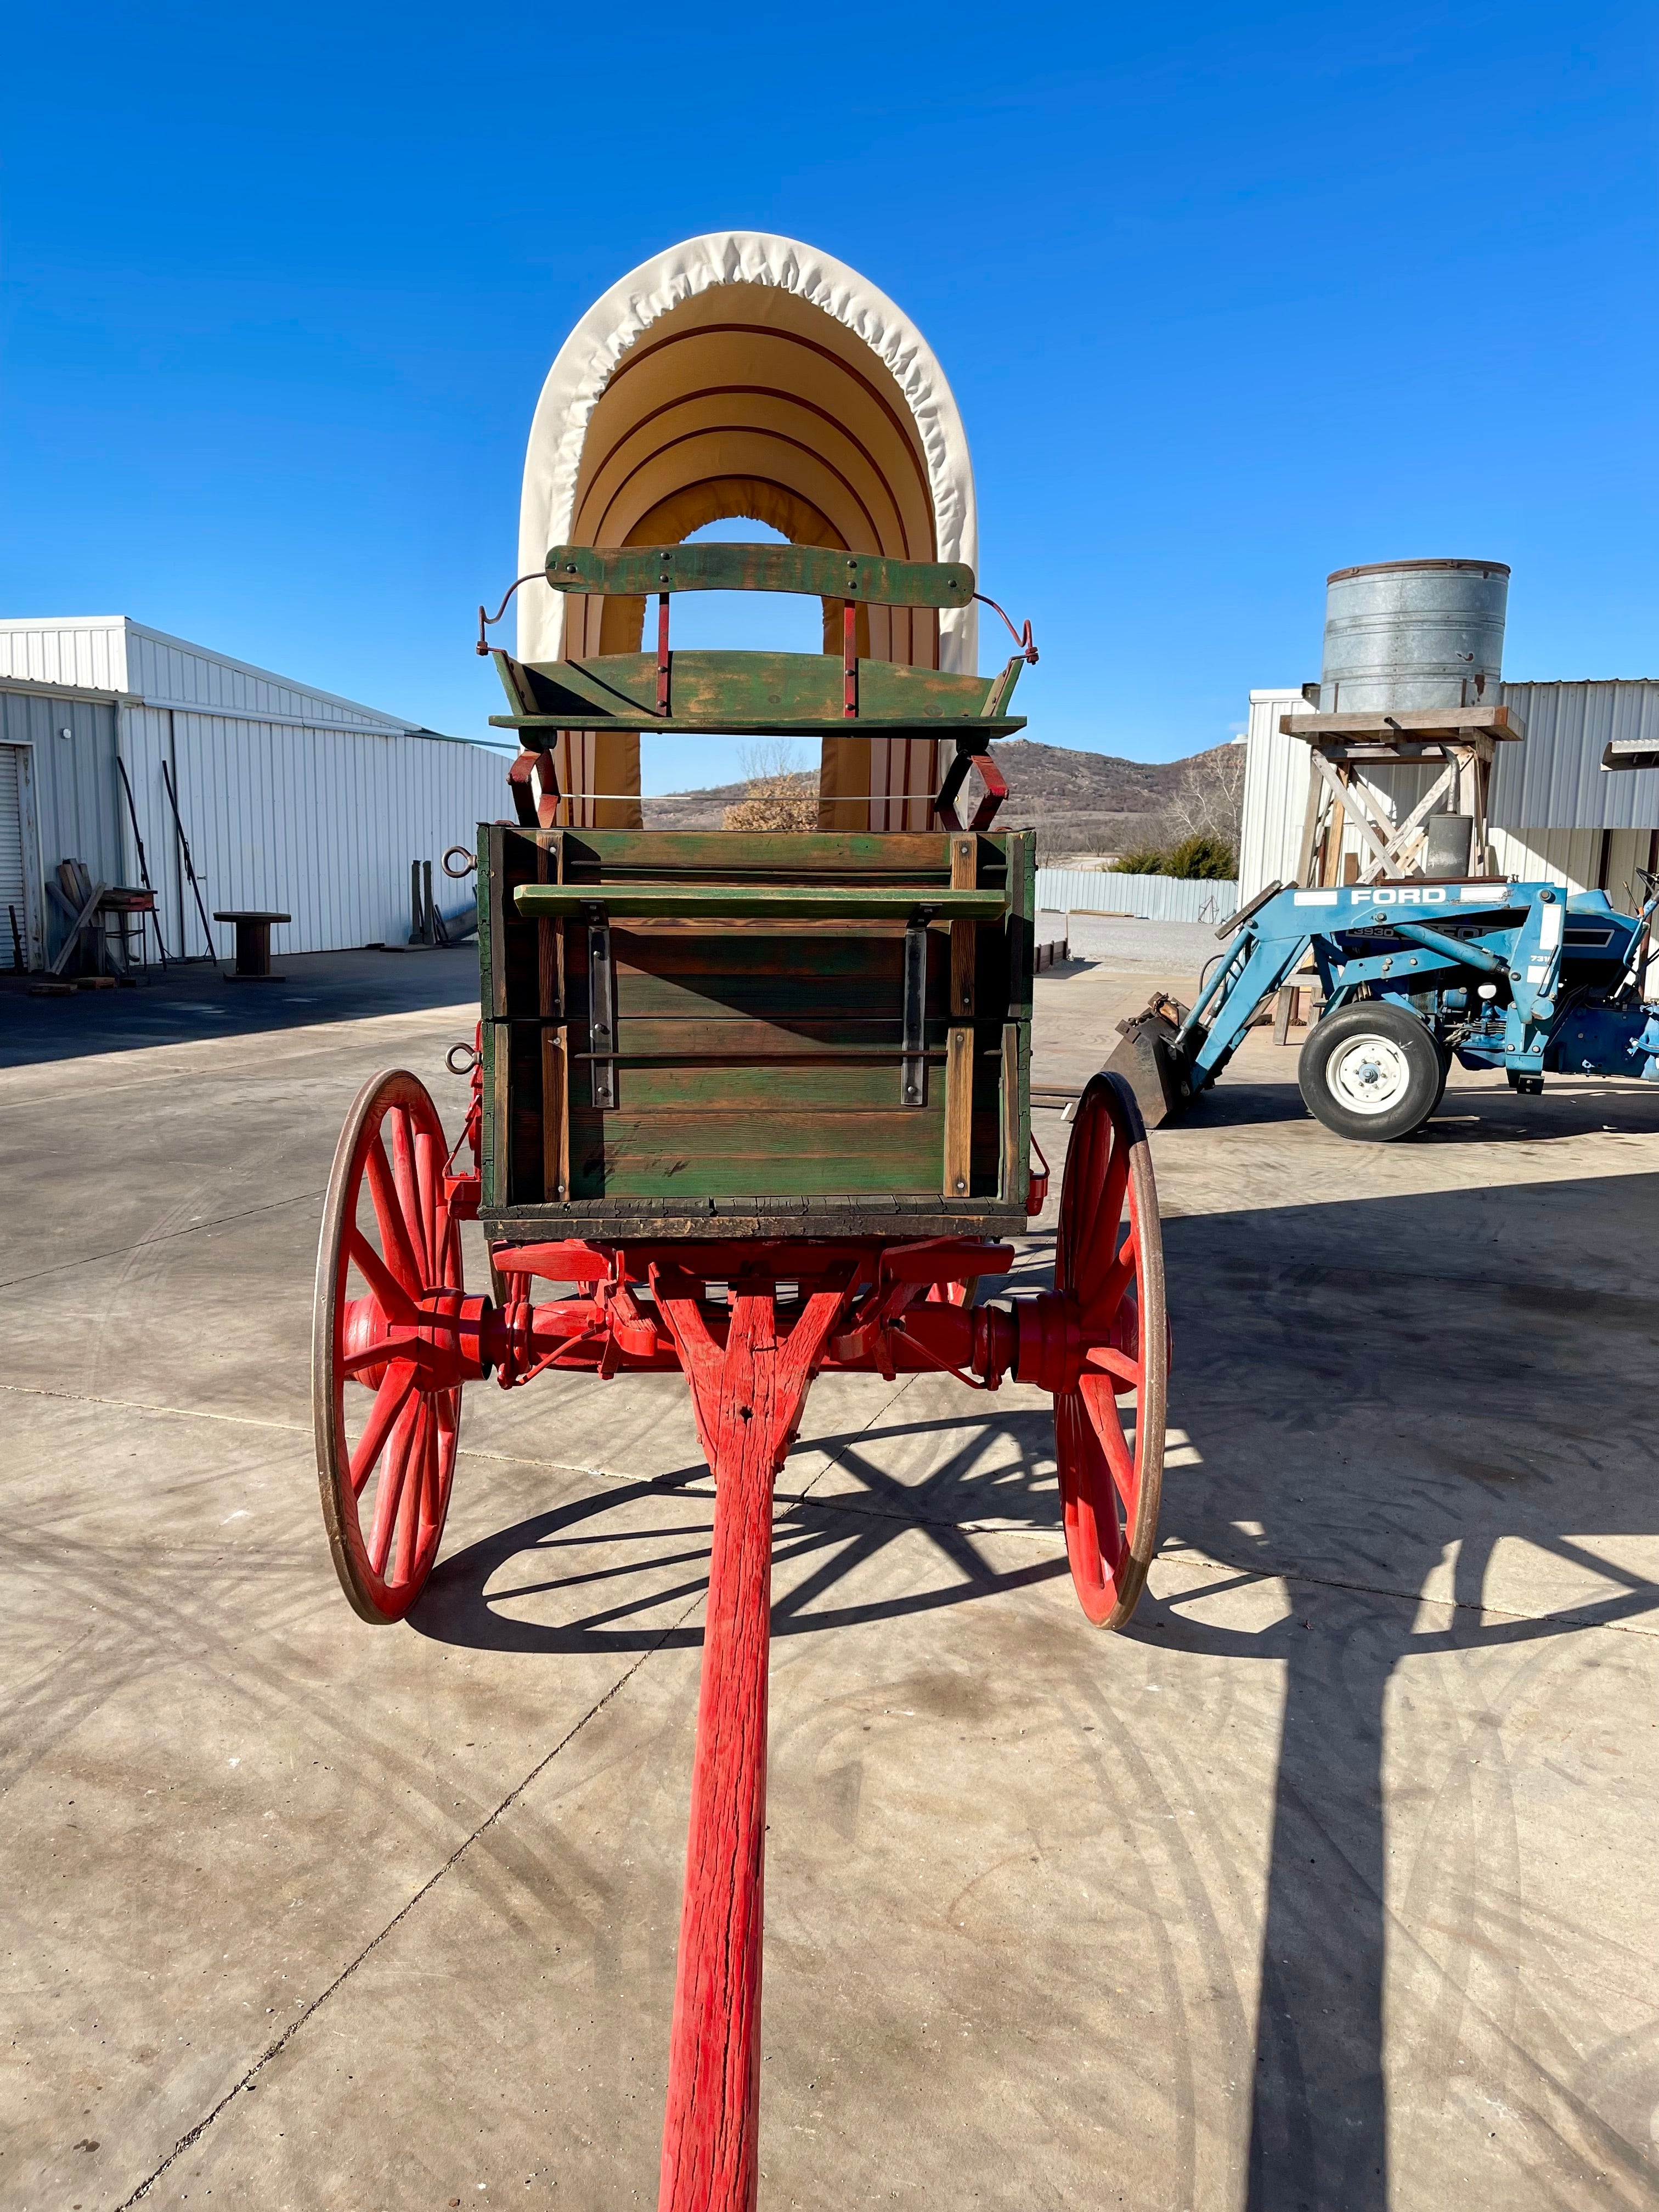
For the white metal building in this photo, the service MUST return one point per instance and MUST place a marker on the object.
(292, 798)
(1556, 815)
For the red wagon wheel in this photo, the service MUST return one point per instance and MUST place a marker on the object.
(1108, 1259)
(385, 1445)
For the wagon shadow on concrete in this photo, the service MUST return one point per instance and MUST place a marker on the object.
(1313, 1343)
(1380, 1394)
(195, 1005)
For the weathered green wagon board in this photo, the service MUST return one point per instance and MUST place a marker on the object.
(687, 1030)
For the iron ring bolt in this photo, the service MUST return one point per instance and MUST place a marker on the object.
(468, 859)
(467, 1061)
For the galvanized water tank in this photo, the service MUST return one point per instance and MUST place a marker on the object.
(1402, 636)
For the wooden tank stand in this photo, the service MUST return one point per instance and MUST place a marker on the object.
(1464, 740)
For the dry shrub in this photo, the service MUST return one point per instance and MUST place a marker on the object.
(779, 794)
(776, 802)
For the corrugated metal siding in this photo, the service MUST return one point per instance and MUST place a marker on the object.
(1550, 794)
(77, 798)
(1573, 858)
(1275, 794)
(14, 880)
(1555, 776)
(1150, 898)
(174, 673)
(321, 824)
(90, 653)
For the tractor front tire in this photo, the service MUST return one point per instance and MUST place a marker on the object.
(1372, 1072)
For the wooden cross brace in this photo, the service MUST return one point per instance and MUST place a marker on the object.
(1391, 848)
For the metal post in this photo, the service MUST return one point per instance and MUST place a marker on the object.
(189, 871)
(143, 867)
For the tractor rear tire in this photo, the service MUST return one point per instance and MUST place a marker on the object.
(1371, 1072)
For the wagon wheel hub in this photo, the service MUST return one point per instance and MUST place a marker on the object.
(443, 1340)
(1061, 1341)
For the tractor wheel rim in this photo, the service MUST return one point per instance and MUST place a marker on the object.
(1368, 1075)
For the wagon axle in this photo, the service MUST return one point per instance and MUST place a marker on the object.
(446, 1338)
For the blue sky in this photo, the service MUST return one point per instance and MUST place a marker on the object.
(1230, 296)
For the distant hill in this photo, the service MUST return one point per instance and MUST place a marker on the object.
(1081, 801)
(692, 810)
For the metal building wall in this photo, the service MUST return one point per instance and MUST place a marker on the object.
(89, 652)
(76, 799)
(1275, 794)
(170, 672)
(1551, 798)
(315, 808)
(1554, 779)
(111, 653)
(1574, 860)
(321, 824)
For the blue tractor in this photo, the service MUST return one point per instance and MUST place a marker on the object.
(1414, 974)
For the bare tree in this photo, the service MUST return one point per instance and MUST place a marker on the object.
(1209, 799)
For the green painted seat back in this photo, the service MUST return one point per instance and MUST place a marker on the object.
(816, 571)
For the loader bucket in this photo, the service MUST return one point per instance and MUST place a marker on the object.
(1150, 1062)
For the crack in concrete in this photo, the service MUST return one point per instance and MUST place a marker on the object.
(275, 2050)
(168, 1237)
(161, 1412)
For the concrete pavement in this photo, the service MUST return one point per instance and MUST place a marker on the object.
(1330, 1884)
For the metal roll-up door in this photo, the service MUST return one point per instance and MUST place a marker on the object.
(13, 887)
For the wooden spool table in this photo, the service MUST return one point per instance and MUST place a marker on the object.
(758, 1106)
(253, 930)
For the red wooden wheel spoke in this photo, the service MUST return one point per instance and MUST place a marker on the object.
(1099, 1260)
(1107, 1424)
(1111, 1361)
(403, 1169)
(385, 1498)
(390, 1494)
(426, 1182)
(1097, 1503)
(377, 1354)
(1108, 1297)
(389, 1402)
(414, 1494)
(395, 1301)
(401, 1253)
(428, 1498)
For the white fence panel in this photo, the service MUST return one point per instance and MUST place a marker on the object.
(1149, 898)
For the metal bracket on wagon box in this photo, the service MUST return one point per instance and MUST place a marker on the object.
(913, 1068)
(601, 1007)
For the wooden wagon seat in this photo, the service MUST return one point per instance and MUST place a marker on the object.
(701, 692)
